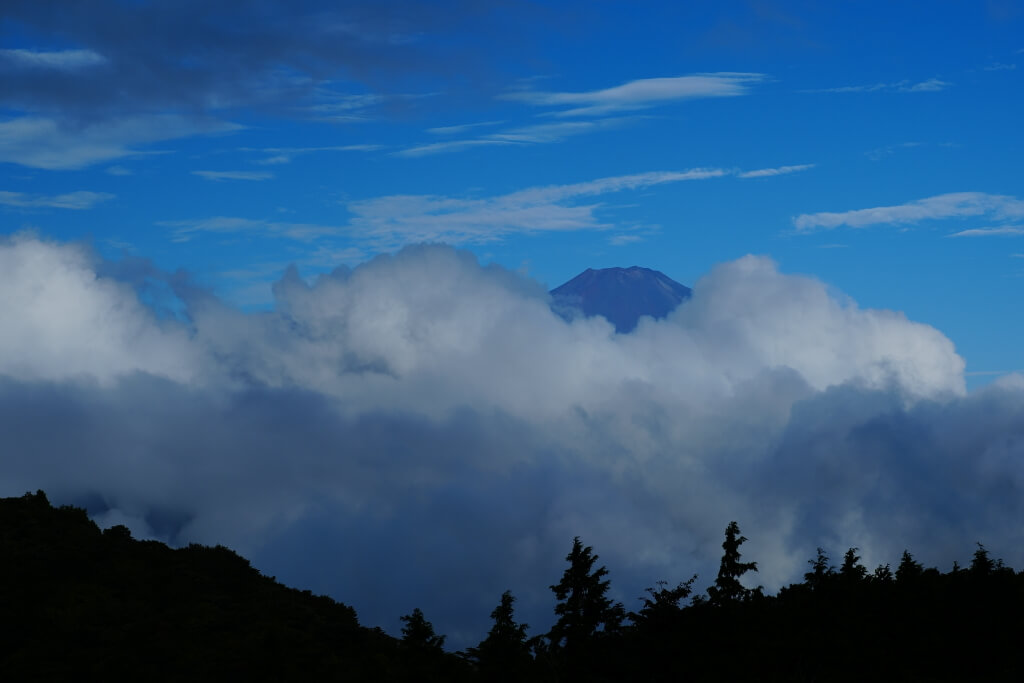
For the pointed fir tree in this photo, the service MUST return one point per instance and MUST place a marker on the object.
(585, 612)
(852, 570)
(728, 589)
(909, 569)
(504, 654)
(418, 633)
(821, 570)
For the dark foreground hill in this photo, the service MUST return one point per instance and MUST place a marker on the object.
(620, 295)
(80, 604)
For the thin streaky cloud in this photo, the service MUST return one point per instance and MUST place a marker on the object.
(285, 155)
(930, 85)
(185, 230)
(50, 144)
(781, 170)
(556, 132)
(543, 133)
(951, 205)
(58, 60)
(640, 94)
(71, 200)
(462, 128)
(450, 146)
(401, 219)
(1003, 230)
(234, 175)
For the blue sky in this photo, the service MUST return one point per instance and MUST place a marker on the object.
(163, 164)
(231, 141)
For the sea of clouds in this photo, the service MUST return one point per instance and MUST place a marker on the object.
(423, 431)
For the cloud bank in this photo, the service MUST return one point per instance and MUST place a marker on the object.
(422, 430)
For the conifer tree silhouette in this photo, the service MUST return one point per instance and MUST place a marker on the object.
(418, 633)
(727, 588)
(504, 654)
(584, 610)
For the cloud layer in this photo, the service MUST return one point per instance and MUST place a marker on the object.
(423, 431)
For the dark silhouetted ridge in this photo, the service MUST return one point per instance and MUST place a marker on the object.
(78, 603)
(620, 295)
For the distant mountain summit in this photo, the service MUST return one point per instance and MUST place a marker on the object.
(620, 295)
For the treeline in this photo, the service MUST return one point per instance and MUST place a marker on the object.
(80, 603)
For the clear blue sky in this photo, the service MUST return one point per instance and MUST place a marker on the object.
(421, 429)
(232, 141)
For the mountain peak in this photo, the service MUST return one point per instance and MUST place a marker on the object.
(621, 295)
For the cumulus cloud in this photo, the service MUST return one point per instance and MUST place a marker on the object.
(422, 430)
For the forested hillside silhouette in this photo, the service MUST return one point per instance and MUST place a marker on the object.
(81, 603)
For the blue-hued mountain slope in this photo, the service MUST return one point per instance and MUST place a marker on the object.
(620, 295)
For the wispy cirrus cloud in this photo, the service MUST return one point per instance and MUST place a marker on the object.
(462, 128)
(906, 86)
(780, 170)
(402, 219)
(185, 230)
(640, 94)
(60, 60)
(951, 205)
(450, 146)
(52, 144)
(1003, 230)
(203, 57)
(543, 133)
(234, 175)
(285, 155)
(72, 200)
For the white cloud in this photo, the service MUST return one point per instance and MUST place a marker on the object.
(535, 134)
(62, 321)
(120, 171)
(781, 170)
(462, 128)
(234, 175)
(556, 132)
(449, 146)
(285, 155)
(640, 94)
(403, 219)
(424, 405)
(952, 205)
(71, 200)
(39, 142)
(930, 85)
(61, 60)
(183, 231)
(1002, 230)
